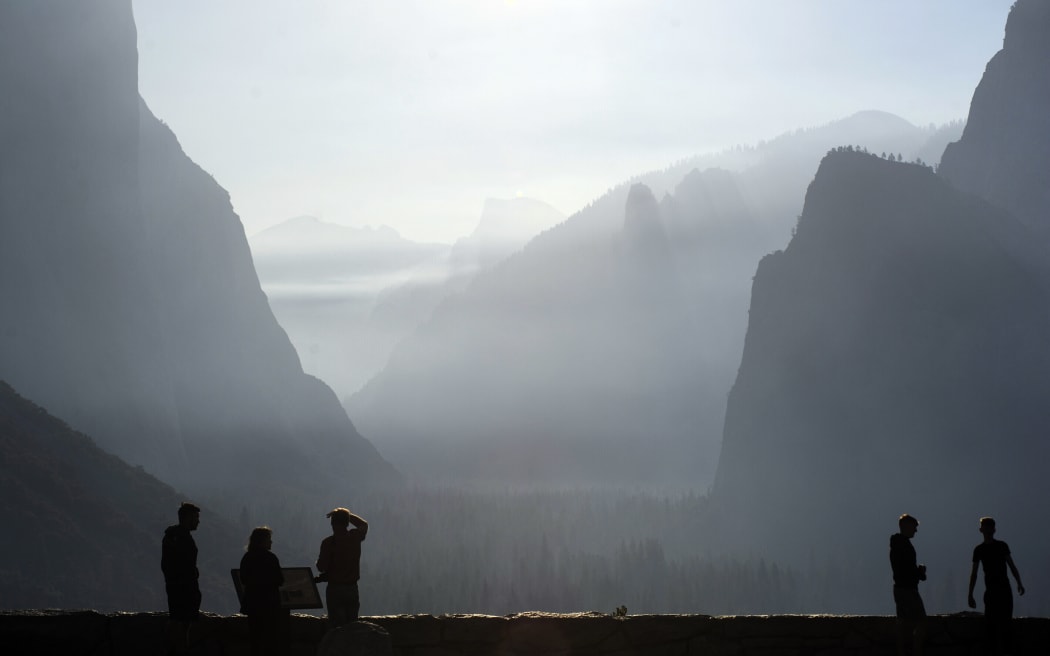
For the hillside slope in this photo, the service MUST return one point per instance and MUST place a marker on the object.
(82, 529)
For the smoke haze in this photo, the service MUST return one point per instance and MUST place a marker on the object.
(671, 305)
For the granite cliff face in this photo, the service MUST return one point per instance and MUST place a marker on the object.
(131, 306)
(74, 277)
(1003, 155)
(896, 357)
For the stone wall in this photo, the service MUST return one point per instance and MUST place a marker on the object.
(542, 634)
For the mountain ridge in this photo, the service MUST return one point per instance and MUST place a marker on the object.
(718, 224)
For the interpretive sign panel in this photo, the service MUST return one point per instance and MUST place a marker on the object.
(299, 590)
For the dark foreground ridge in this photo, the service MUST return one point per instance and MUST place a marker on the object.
(47, 632)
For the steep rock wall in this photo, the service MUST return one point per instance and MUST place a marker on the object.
(131, 308)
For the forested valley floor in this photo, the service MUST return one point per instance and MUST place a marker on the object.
(435, 551)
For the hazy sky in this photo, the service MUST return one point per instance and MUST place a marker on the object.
(411, 113)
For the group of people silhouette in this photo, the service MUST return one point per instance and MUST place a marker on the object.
(991, 554)
(338, 565)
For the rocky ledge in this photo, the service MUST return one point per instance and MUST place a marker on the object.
(542, 634)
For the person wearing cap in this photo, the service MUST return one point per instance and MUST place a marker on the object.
(339, 564)
(911, 613)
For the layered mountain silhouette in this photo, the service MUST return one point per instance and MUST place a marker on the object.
(323, 281)
(82, 529)
(131, 306)
(603, 351)
(308, 257)
(505, 226)
(347, 295)
(897, 357)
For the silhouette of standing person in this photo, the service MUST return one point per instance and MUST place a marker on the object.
(994, 556)
(339, 563)
(262, 580)
(178, 561)
(911, 613)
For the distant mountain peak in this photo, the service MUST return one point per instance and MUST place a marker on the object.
(303, 219)
(305, 224)
(502, 204)
(516, 219)
(876, 117)
(505, 226)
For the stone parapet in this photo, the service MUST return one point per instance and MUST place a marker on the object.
(44, 632)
